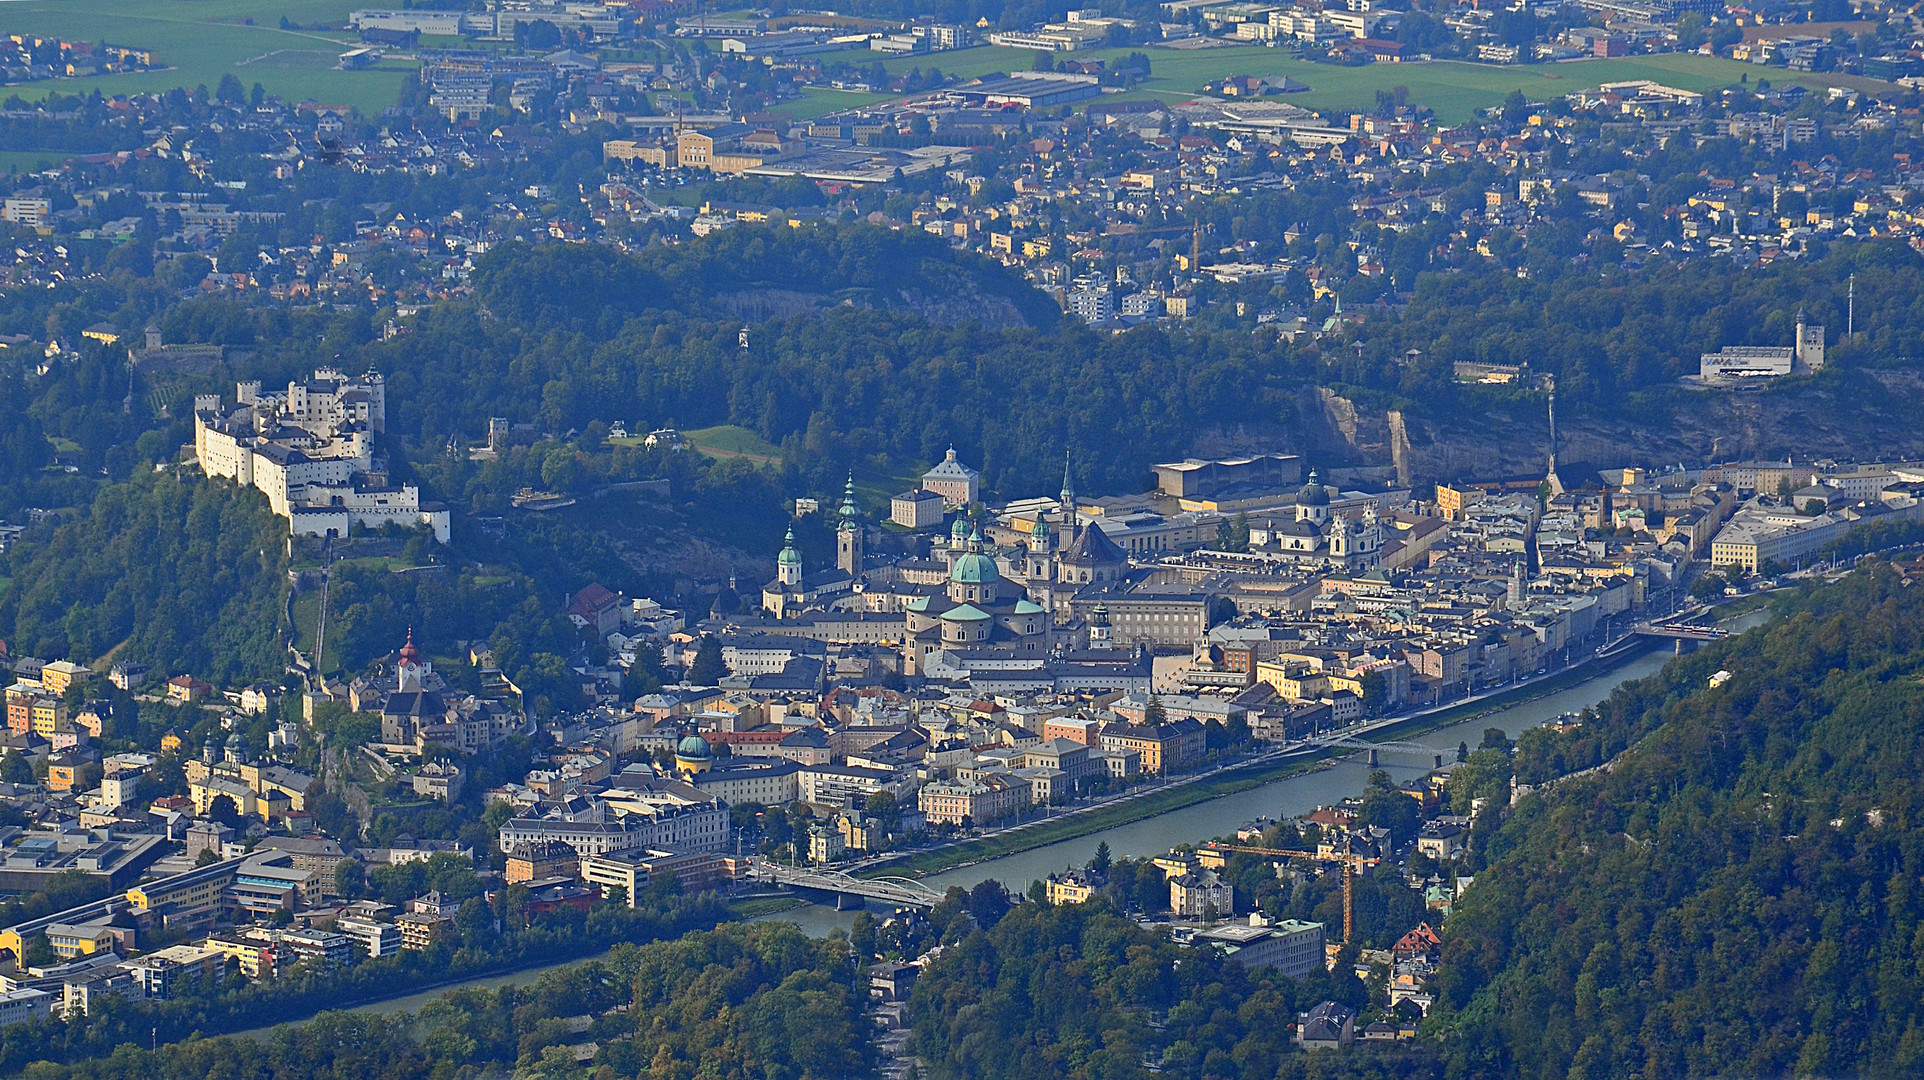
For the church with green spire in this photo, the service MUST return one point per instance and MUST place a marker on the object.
(966, 595)
(794, 591)
(848, 533)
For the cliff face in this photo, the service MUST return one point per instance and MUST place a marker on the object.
(1849, 415)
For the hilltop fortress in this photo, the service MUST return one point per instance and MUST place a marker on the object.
(310, 451)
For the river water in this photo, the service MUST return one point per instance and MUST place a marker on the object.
(1291, 795)
(1281, 798)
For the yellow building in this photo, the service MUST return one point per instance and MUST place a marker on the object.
(272, 783)
(256, 957)
(1175, 863)
(194, 889)
(419, 932)
(204, 792)
(68, 773)
(1450, 501)
(720, 149)
(630, 150)
(46, 714)
(1292, 679)
(1070, 887)
(69, 941)
(61, 674)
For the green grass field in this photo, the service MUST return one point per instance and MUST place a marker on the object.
(201, 40)
(820, 101)
(1454, 90)
(26, 161)
(729, 441)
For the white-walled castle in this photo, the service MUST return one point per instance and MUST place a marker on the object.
(310, 451)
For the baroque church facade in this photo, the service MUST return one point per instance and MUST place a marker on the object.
(1314, 536)
(968, 595)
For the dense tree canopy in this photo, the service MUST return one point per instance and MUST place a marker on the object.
(1739, 894)
(184, 572)
(745, 1000)
(1084, 993)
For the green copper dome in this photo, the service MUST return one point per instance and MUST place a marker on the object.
(789, 556)
(694, 748)
(974, 569)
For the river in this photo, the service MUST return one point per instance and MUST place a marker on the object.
(1291, 795)
(1281, 798)
(1285, 797)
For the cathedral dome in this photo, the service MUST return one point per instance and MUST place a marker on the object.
(1312, 493)
(789, 556)
(974, 568)
(693, 748)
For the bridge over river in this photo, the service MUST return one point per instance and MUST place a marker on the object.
(899, 891)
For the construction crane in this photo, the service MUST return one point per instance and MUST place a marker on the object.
(1215, 856)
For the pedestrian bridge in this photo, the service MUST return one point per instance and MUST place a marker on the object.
(900, 891)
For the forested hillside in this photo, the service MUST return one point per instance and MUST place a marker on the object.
(879, 383)
(190, 575)
(169, 568)
(744, 1000)
(1083, 993)
(1743, 895)
(1616, 331)
(880, 349)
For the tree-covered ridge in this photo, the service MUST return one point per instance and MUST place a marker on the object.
(1082, 993)
(1740, 894)
(659, 345)
(562, 336)
(743, 1001)
(1612, 331)
(191, 576)
(169, 568)
(850, 382)
(546, 285)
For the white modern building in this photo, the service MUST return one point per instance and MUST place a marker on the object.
(1804, 356)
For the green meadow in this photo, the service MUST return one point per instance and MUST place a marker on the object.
(201, 40)
(1453, 89)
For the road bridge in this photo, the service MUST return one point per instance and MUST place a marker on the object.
(900, 891)
(1416, 749)
(1682, 631)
